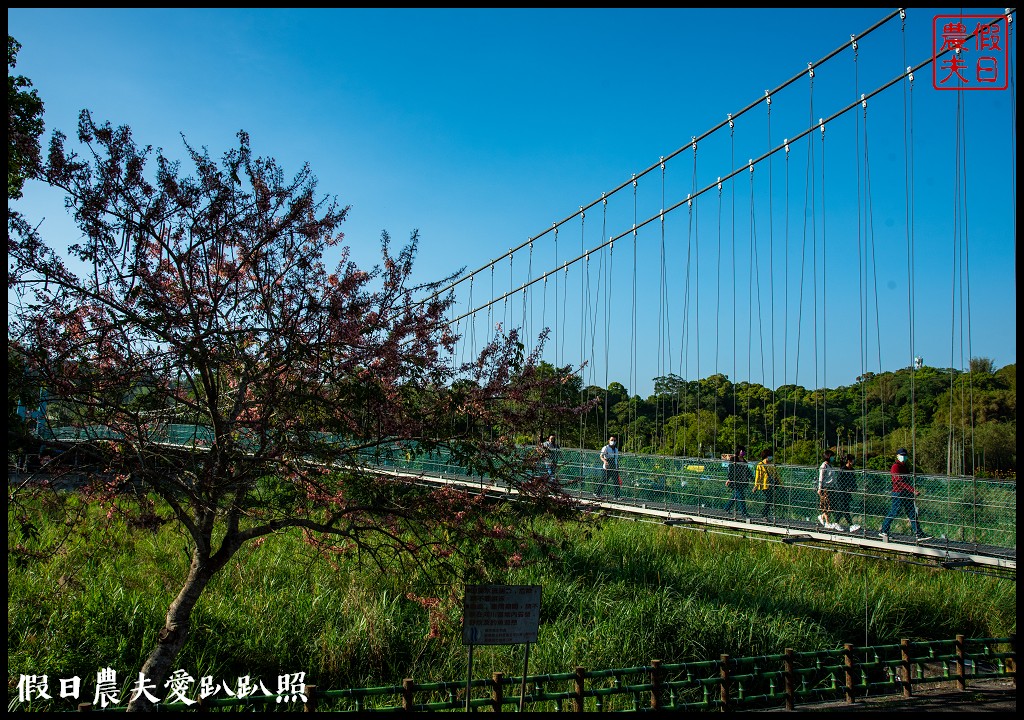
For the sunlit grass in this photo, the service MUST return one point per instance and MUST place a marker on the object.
(620, 596)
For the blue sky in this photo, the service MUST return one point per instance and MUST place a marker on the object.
(482, 128)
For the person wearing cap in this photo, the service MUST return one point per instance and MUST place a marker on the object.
(738, 479)
(826, 486)
(903, 494)
(766, 480)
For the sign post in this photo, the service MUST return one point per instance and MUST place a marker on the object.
(500, 615)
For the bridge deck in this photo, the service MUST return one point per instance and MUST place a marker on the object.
(943, 552)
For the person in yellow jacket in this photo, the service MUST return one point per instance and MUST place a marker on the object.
(766, 480)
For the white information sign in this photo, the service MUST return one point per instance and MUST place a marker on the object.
(500, 614)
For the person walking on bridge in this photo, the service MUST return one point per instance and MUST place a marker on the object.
(550, 449)
(846, 483)
(826, 487)
(610, 463)
(767, 480)
(903, 495)
(738, 478)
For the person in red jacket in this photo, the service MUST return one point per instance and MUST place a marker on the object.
(903, 494)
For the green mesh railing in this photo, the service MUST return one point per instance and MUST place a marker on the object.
(955, 509)
(965, 510)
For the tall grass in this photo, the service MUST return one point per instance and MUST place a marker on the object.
(616, 596)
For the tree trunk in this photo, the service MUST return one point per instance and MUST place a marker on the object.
(158, 666)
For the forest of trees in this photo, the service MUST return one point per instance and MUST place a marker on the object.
(955, 422)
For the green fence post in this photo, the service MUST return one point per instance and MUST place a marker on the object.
(724, 670)
(961, 681)
(905, 664)
(790, 675)
(496, 691)
(577, 702)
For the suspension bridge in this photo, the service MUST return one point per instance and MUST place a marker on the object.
(770, 247)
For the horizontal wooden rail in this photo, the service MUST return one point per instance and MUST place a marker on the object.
(757, 682)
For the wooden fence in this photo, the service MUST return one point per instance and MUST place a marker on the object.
(784, 680)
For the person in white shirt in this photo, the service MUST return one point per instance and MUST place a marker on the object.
(610, 463)
(826, 485)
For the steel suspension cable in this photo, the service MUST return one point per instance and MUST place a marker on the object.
(735, 115)
(771, 265)
(696, 311)
(632, 340)
(718, 310)
(751, 281)
(824, 298)
(951, 438)
(808, 181)
(908, 163)
(609, 279)
(732, 274)
(861, 270)
(755, 264)
(871, 248)
(684, 324)
(660, 411)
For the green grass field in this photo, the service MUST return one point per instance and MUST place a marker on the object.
(92, 594)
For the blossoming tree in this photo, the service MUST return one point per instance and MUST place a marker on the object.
(204, 300)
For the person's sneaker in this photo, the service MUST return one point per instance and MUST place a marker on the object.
(854, 528)
(821, 519)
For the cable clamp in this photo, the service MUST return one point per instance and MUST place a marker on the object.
(863, 102)
(910, 74)
(785, 144)
(689, 202)
(853, 42)
(750, 164)
(661, 161)
(634, 179)
(768, 97)
(582, 213)
(731, 123)
(604, 199)
(1009, 17)
(903, 14)
(821, 124)
(810, 69)
(719, 183)
(634, 230)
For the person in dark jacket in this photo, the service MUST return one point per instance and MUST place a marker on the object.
(903, 495)
(845, 484)
(739, 479)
